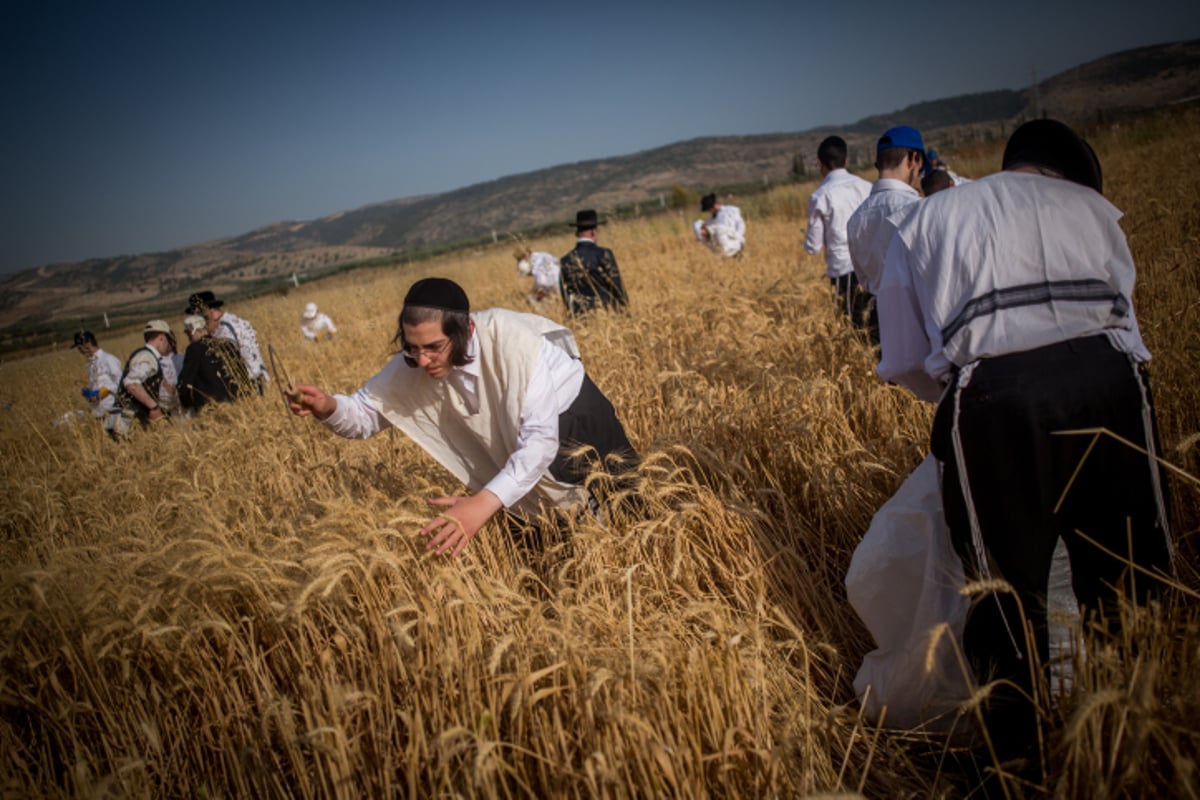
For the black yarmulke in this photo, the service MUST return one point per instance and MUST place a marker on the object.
(440, 293)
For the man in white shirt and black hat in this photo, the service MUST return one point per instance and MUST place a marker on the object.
(499, 398)
(227, 325)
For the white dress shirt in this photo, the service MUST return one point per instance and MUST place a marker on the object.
(727, 231)
(871, 227)
(1005, 264)
(555, 384)
(241, 333)
(545, 269)
(104, 371)
(829, 209)
(311, 328)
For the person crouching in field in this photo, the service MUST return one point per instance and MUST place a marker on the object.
(213, 370)
(498, 397)
(137, 392)
(313, 323)
(545, 271)
(724, 231)
(104, 373)
(1009, 302)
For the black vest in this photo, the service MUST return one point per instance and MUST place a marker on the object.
(151, 384)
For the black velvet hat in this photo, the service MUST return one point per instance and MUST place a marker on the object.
(586, 220)
(200, 302)
(1049, 143)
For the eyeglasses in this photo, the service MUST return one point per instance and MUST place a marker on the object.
(414, 351)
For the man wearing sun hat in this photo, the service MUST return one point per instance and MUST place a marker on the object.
(141, 380)
(899, 154)
(227, 325)
(313, 323)
(499, 398)
(588, 276)
(1009, 302)
(104, 372)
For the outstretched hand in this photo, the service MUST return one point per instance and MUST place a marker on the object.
(308, 400)
(451, 531)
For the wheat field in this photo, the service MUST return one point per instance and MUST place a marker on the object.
(241, 606)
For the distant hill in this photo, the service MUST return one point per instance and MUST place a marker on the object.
(1123, 83)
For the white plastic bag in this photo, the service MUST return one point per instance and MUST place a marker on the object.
(904, 581)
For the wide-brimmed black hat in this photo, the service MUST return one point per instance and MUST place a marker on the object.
(201, 302)
(586, 220)
(1049, 143)
(707, 202)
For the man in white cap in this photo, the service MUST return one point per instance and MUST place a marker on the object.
(829, 208)
(499, 398)
(899, 154)
(1009, 302)
(141, 380)
(314, 323)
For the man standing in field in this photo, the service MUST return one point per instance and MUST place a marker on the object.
(104, 372)
(725, 230)
(899, 154)
(499, 398)
(227, 325)
(829, 209)
(1009, 299)
(141, 380)
(213, 370)
(589, 275)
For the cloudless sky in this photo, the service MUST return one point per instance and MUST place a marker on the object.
(130, 127)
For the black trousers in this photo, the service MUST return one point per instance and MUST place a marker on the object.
(591, 423)
(590, 438)
(1018, 468)
(852, 299)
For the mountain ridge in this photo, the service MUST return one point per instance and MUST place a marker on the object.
(1122, 83)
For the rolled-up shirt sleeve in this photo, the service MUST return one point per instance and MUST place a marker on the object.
(354, 417)
(141, 367)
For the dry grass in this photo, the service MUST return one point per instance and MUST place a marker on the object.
(241, 607)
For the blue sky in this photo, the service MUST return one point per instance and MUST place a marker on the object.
(133, 127)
